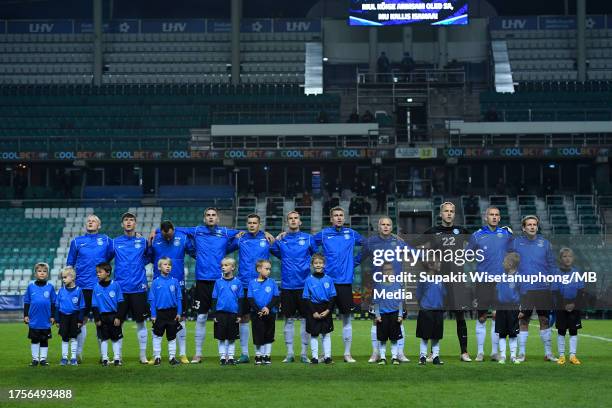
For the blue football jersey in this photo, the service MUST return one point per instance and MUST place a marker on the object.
(319, 289)
(228, 293)
(107, 298)
(263, 292)
(40, 298)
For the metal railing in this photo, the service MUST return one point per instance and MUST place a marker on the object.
(90, 143)
(373, 140)
(541, 140)
(221, 203)
(540, 115)
(418, 76)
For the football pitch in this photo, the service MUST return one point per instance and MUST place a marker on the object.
(487, 384)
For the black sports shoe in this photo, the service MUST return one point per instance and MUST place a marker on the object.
(34, 363)
(43, 363)
(117, 363)
(395, 361)
(437, 361)
(267, 360)
(314, 361)
(173, 361)
(258, 360)
(422, 360)
(328, 360)
(105, 363)
(157, 361)
(231, 361)
(222, 361)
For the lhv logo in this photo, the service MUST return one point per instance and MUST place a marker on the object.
(174, 27)
(41, 27)
(514, 23)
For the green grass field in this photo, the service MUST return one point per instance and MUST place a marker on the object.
(487, 384)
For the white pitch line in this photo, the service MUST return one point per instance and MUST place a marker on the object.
(583, 335)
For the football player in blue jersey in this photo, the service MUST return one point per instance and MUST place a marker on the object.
(294, 248)
(494, 242)
(131, 256)
(252, 246)
(338, 243)
(536, 258)
(87, 251)
(384, 240)
(211, 242)
(174, 245)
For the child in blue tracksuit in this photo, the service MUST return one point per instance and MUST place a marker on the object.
(166, 301)
(109, 311)
(507, 310)
(430, 320)
(388, 312)
(263, 297)
(569, 299)
(70, 306)
(320, 294)
(38, 313)
(227, 299)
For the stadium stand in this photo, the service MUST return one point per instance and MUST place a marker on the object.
(142, 117)
(544, 55)
(152, 58)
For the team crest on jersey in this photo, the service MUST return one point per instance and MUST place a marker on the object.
(172, 289)
(177, 241)
(455, 231)
(499, 235)
(75, 300)
(46, 294)
(137, 244)
(347, 236)
(512, 285)
(234, 288)
(326, 285)
(268, 289)
(111, 293)
(540, 243)
(302, 241)
(262, 243)
(100, 241)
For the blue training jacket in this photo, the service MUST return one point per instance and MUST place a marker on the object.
(175, 249)
(494, 244)
(86, 251)
(338, 245)
(211, 247)
(536, 256)
(131, 256)
(250, 248)
(294, 250)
